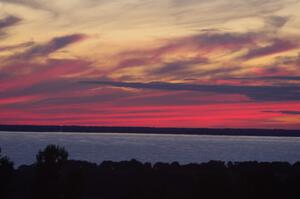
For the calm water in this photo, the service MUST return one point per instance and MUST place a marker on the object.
(22, 147)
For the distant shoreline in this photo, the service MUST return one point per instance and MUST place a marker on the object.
(153, 130)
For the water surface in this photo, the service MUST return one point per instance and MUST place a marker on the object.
(22, 147)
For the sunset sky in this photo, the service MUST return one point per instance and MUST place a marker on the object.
(163, 63)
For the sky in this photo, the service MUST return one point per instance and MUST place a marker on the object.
(161, 63)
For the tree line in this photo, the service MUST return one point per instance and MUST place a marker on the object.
(153, 130)
(54, 176)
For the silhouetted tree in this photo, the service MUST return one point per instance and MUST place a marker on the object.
(52, 155)
(55, 177)
(5, 162)
(6, 171)
(49, 163)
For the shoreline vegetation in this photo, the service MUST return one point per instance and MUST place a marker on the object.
(54, 176)
(153, 130)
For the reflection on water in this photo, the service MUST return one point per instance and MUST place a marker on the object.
(22, 147)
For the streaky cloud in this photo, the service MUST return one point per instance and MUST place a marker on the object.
(291, 112)
(207, 42)
(178, 66)
(34, 4)
(8, 22)
(277, 46)
(289, 78)
(31, 3)
(17, 46)
(274, 23)
(53, 45)
(259, 93)
(284, 112)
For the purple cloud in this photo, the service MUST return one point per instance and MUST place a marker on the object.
(259, 93)
(55, 44)
(273, 23)
(284, 112)
(17, 46)
(277, 46)
(8, 22)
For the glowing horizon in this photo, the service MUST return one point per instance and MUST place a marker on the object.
(169, 63)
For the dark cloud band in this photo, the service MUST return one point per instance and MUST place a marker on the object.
(53, 45)
(7, 22)
(284, 112)
(259, 93)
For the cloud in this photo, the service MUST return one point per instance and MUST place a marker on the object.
(31, 3)
(178, 66)
(289, 60)
(274, 23)
(204, 55)
(291, 112)
(221, 71)
(283, 77)
(55, 44)
(54, 7)
(277, 46)
(17, 46)
(202, 44)
(191, 70)
(209, 41)
(219, 12)
(182, 56)
(225, 39)
(35, 4)
(7, 22)
(260, 93)
(284, 112)
(289, 78)
(56, 78)
(205, 41)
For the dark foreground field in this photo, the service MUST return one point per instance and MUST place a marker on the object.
(53, 176)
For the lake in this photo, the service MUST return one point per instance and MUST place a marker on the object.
(22, 147)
